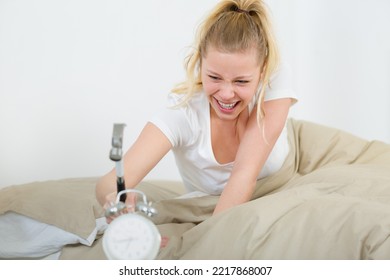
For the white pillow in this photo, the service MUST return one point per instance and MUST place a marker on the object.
(23, 237)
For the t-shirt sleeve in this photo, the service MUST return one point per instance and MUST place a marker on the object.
(281, 84)
(173, 122)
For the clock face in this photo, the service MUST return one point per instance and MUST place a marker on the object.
(131, 237)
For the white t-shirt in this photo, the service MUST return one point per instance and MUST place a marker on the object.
(188, 130)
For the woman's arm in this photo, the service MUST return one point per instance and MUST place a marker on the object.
(253, 152)
(150, 147)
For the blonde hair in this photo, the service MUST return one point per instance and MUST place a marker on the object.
(232, 26)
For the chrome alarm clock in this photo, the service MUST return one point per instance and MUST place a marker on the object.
(132, 235)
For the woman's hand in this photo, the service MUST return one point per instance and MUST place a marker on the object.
(114, 210)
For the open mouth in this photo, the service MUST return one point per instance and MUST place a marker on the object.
(227, 107)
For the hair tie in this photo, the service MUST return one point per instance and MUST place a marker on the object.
(241, 11)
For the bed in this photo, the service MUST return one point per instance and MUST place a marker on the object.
(330, 200)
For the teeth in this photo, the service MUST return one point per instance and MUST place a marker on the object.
(227, 106)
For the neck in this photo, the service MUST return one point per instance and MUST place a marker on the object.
(235, 126)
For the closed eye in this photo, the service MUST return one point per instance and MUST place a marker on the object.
(214, 77)
(242, 81)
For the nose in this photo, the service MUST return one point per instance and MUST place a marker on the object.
(226, 91)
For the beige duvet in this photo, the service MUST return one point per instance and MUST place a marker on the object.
(330, 200)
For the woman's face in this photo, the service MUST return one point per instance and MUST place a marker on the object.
(230, 81)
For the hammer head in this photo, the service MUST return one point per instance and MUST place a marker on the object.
(117, 142)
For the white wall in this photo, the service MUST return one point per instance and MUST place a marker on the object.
(340, 51)
(70, 69)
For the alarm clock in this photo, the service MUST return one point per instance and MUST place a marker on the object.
(131, 236)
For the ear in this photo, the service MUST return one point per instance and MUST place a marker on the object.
(264, 67)
(263, 71)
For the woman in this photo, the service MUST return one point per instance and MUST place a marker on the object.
(226, 122)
